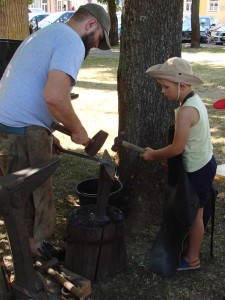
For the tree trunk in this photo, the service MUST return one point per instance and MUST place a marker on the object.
(151, 34)
(14, 19)
(195, 31)
(113, 34)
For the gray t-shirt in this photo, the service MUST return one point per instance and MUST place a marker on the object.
(56, 47)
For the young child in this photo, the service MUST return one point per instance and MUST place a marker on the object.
(191, 139)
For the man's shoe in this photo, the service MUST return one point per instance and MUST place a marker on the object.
(186, 266)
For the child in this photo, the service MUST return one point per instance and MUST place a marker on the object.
(191, 139)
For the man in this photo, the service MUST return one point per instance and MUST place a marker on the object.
(34, 92)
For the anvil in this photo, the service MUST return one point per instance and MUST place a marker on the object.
(14, 189)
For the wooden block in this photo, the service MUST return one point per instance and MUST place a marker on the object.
(220, 174)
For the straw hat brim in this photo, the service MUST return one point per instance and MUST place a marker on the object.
(156, 72)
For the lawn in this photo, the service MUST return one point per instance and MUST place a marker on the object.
(97, 106)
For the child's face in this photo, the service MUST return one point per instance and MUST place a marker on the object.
(169, 89)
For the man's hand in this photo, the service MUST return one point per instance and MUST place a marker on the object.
(80, 136)
(56, 148)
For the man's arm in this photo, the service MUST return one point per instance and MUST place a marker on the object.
(57, 96)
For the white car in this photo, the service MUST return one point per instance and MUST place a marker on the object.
(36, 10)
(34, 19)
(61, 16)
(219, 37)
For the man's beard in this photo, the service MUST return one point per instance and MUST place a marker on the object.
(87, 40)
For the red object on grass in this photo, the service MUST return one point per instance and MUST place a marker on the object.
(219, 104)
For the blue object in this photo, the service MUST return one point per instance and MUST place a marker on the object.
(9, 129)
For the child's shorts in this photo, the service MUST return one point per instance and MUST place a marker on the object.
(202, 180)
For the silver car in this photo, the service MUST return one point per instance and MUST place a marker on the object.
(219, 37)
(61, 16)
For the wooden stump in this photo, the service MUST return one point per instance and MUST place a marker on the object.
(96, 250)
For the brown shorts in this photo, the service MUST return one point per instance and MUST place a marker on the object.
(18, 152)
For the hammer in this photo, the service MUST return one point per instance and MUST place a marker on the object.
(95, 143)
(118, 142)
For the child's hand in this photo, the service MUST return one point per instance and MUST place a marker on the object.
(148, 154)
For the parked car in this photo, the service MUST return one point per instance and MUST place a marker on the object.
(211, 23)
(36, 10)
(208, 22)
(62, 16)
(219, 37)
(34, 19)
(186, 32)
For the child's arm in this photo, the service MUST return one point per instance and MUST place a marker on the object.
(187, 117)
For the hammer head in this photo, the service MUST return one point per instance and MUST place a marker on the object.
(96, 143)
(117, 142)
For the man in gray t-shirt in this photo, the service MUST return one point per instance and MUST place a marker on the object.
(34, 92)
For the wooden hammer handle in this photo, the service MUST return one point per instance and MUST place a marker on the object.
(61, 128)
(81, 290)
(133, 147)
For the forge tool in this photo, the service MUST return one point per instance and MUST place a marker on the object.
(95, 143)
(72, 283)
(102, 161)
(119, 141)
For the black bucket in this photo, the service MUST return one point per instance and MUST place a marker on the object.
(87, 192)
(7, 49)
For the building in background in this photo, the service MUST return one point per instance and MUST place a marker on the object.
(60, 5)
(215, 8)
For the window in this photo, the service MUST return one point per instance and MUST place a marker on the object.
(44, 5)
(213, 5)
(187, 5)
(59, 5)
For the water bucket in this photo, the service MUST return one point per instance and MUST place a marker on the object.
(87, 192)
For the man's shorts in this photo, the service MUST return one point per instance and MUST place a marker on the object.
(20, 151)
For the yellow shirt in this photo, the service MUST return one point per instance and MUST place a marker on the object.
(198, 150)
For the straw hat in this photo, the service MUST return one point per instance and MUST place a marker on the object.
(175, 69)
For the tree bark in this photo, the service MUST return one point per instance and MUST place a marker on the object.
(195, 31)
(113, 34)
(14, 19)
(151, 34)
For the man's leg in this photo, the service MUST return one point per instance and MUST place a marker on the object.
(40, 213)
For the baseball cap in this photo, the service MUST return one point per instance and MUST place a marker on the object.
(175, 69)
(103, 18)
(219, 104)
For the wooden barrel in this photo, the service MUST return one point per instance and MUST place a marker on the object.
(96, 250)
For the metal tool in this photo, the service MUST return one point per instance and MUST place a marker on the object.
(106, 178)
(119, 141)
(102, 161)
(72, 282)
(95, 143)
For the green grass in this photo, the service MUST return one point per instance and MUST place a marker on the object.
(138, 282)
(204, 48)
